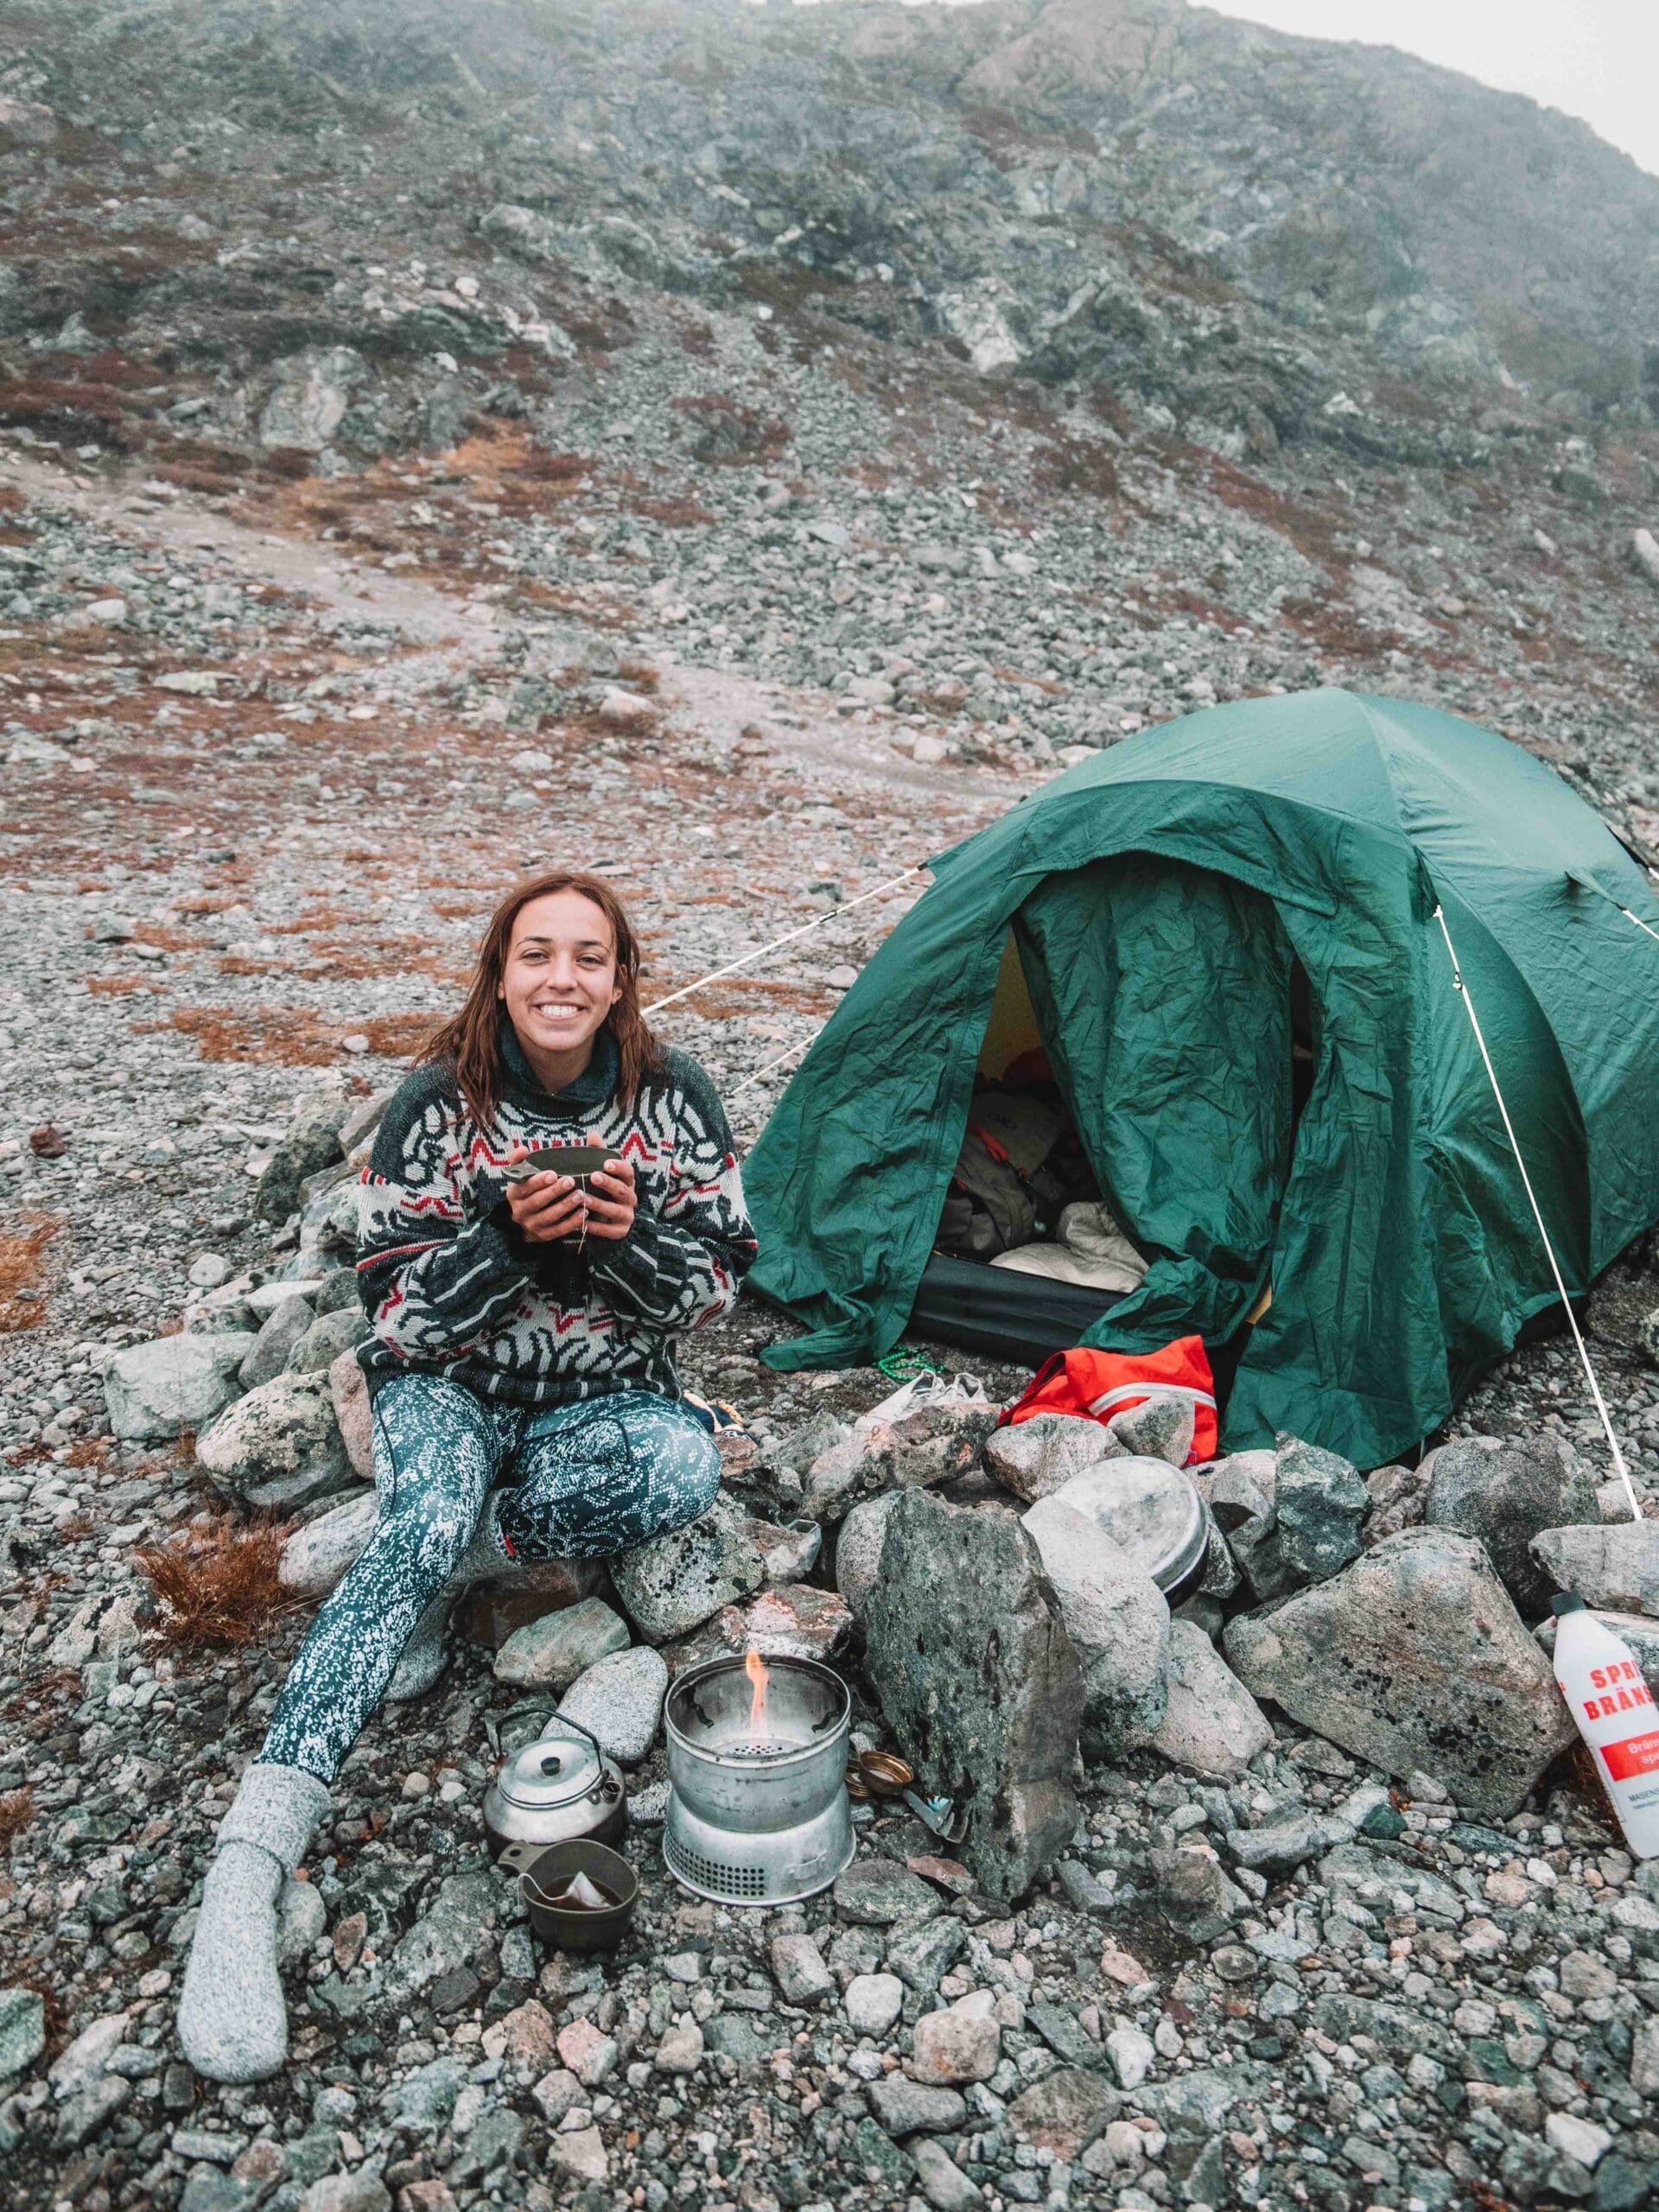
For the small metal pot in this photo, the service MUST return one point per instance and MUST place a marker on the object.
(542, 1874)
(561, 1789)
(1155, 1513)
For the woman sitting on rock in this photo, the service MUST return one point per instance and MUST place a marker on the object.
(525, 1403)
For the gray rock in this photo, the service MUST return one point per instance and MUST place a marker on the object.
(1211, 1725)
(309, 394)
(803, 1445)
(1160, 1429)
(879, 1893)
(445, 1938)
(1066, 2111)
(1194, 1893)
(316, 1555)
(278, 1447)
(1240, 1489)
(327, 1337)
(923, 1952)
(906, 2107)
(159, 1390)
(1397, 1496)
(1115, 1613)
(336, 1291)
(1320, 1509)
(1280, 1844)
(874, 2002)
(551, 1652)
(621, 1701)
(942, 2181)
(1506, 1492)
(797, 1967)
(674, 1582)
(1414, 1657)
(1616, 1566)
(23, 2030)
(310, 1143)
(1035, 1458)
(858, 1549)
(850, 1469)
(972, 1667)
(283, 1329)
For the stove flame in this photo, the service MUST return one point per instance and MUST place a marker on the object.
(755, 1668)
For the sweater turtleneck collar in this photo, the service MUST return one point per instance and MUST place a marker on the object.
(591, 1088)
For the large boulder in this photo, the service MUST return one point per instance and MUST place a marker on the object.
(1035, 1458)
(310, 1142)
(1212, 1724)
(162, 1389)
(1414, 1657)
(1616, 1566)
(977, 1677)
(674, 1582)
(1115, 1613)
(279, 1447)
(1506, 1492)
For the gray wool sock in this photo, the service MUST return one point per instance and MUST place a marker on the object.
(232, 2021)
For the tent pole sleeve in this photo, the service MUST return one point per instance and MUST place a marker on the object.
(1462, 989)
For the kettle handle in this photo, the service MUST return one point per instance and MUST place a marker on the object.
(599, 1748)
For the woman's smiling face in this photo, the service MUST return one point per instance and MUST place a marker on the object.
(560, 979)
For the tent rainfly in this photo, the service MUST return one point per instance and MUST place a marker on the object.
(1144, 915)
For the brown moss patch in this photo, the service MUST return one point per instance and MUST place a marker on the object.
(291, 1036)
(16, 1811)
(216, 1584)
(23, 1272)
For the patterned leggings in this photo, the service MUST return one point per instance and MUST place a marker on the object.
(592, 1479)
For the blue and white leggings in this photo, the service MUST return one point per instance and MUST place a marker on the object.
(586, 1481)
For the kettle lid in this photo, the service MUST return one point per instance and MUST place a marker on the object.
(562, 1766)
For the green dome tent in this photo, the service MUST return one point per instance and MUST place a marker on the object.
(1147, 914)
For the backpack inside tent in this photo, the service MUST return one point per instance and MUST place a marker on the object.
(1188, 1021)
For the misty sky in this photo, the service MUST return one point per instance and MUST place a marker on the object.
(1597, 59)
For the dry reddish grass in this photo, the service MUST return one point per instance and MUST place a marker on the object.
(216, 1584)
(114, 987)
(291, 1036)
(16, 1811)
(23, 1267)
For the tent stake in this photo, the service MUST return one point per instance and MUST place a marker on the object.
(1462, 988)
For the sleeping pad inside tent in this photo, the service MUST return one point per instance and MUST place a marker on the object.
(1198, 991)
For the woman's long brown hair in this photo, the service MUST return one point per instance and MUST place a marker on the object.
(470, 1044)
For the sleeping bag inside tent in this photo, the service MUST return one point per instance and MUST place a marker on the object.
(1178, 1046)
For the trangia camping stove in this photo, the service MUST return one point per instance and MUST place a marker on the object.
(757, 1811)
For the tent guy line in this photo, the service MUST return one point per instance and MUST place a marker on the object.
(749, 959)
(1462, 988)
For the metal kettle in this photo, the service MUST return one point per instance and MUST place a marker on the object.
(561, 1789)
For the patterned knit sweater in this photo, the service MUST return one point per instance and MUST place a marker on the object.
(452, 1287)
